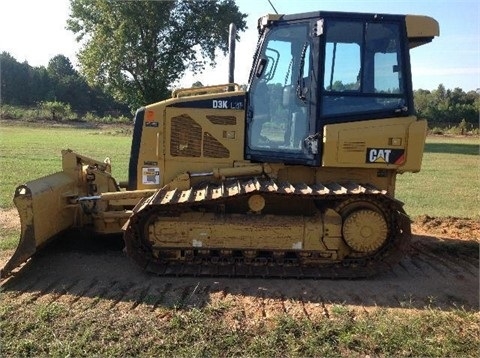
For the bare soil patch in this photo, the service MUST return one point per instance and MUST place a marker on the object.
(9, 219)
(440, 270)
(450, 227)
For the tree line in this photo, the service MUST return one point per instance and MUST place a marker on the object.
(27, 86)
(445, 106)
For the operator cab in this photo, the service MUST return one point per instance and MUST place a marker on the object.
(318, 68)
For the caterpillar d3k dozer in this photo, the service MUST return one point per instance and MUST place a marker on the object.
(294, 177)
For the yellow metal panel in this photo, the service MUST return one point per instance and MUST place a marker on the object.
(333, 233)
(352, 150)
(44, 208)
(421, 29)
(221, 131)
(175, 164)
(151, 152)
(210, 231)
(417, 133)
(314, 233)
(394, 143)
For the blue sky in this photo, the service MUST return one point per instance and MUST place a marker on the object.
(34, 31)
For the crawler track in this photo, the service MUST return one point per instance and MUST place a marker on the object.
(174, 202)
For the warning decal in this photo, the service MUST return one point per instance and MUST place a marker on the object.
(151, 176)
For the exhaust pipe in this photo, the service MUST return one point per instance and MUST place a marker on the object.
(232, 35)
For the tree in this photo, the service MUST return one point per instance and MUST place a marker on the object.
(137, 49)
(69, 86)
(23, 85)
(60, 66)
(41, 85)
(15, 79)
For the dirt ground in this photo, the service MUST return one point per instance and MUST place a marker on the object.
(440, 269)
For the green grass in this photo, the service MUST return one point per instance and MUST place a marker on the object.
(27, 153)
(57, 330)
(449, 181)
(9, 238)
(447, 185)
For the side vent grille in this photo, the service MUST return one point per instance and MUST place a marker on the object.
(223, 120)
(212, 148)
(186, 137)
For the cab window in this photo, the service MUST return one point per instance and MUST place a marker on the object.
(362, 69)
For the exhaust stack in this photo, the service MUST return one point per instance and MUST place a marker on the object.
(232, 35)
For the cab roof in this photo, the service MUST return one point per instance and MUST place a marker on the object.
(420, 29)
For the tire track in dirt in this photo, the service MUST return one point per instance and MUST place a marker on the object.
(78, 292)
(456, 264)
(435, 271)
(43, 288)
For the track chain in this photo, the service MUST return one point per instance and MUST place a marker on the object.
(170, 202)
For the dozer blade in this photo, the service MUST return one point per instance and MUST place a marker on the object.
(44, 212)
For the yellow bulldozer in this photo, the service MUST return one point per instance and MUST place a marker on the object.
(292, 177)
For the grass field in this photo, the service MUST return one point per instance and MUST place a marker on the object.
(28, 153)
(49, 331)
(448, 184)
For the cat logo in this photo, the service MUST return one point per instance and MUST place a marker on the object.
(386, 156)
(379, 155)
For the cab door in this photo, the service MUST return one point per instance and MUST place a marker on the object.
(281, 105)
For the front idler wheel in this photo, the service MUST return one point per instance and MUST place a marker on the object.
(364, 226)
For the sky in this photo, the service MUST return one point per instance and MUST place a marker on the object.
(34, 31)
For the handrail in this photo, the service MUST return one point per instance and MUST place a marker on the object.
(185, 92)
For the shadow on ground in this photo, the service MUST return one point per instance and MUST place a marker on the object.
(434, 273)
